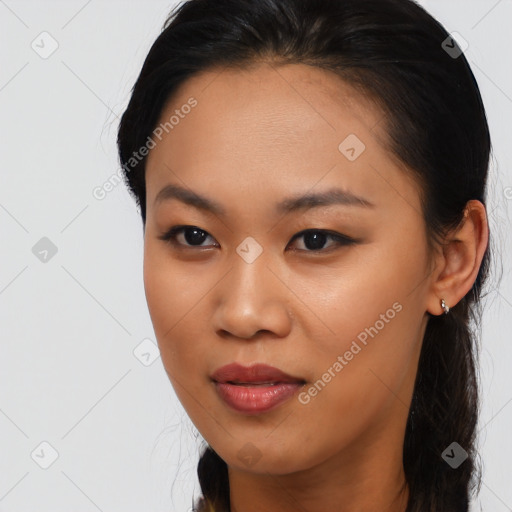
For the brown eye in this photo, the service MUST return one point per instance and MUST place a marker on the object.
(315, 239)
(190, 236)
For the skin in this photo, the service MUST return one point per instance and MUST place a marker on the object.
(258, 136)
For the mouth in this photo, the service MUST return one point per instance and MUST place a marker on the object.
(253, 384)
(255, 389)
(257, 374)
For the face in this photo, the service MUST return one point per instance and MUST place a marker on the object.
(329, 290)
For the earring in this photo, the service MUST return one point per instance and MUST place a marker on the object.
(445, 307)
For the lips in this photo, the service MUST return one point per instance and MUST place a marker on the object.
(257, 374)
(254, 389)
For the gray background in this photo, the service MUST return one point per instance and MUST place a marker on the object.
(79, 368)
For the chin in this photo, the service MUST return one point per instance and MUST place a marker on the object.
(266, 457)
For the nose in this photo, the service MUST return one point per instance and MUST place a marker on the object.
(252, 298)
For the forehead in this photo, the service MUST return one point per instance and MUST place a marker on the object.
(268, 98)
(267, 128)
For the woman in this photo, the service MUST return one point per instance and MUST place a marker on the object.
(333, 376)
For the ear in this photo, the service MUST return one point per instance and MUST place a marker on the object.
(458, 261)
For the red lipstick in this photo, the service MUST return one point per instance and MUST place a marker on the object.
(254, 389)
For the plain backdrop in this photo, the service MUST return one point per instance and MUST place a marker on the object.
(88, 418)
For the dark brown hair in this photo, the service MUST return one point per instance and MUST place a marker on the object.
(398, 55)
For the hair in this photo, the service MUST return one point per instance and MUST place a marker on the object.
(395, 53)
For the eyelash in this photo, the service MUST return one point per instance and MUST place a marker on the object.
(341, 240)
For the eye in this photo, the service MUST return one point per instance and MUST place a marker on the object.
(191, 234)
(314, 239)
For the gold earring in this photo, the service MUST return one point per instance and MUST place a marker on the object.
(446, 309)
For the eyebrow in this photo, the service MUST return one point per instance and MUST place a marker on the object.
(291, 204)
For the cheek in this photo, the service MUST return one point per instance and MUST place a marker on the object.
(372, 353)
(160, 300)
(170, 293)
(369, 299)
(171, 299)
(373, 343)
(171, 296)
